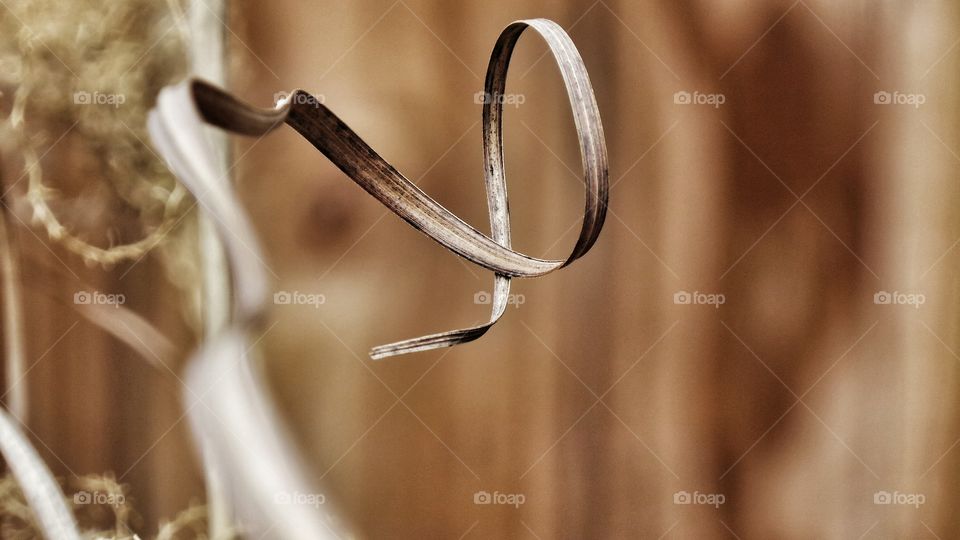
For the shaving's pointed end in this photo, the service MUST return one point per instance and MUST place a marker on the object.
(382, 351)
(429, 343)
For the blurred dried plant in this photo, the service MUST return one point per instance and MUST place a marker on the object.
(76, 81)
(102, 508)
(88, 71)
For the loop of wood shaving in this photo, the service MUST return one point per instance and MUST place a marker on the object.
(322, 128)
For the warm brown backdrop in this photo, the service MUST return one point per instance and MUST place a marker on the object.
(598, 398)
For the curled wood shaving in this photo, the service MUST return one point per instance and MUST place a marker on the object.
(322, 128)
(239, 425)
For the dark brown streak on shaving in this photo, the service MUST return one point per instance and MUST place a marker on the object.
(364, 166)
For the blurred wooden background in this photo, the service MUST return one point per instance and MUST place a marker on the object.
(599, 398)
